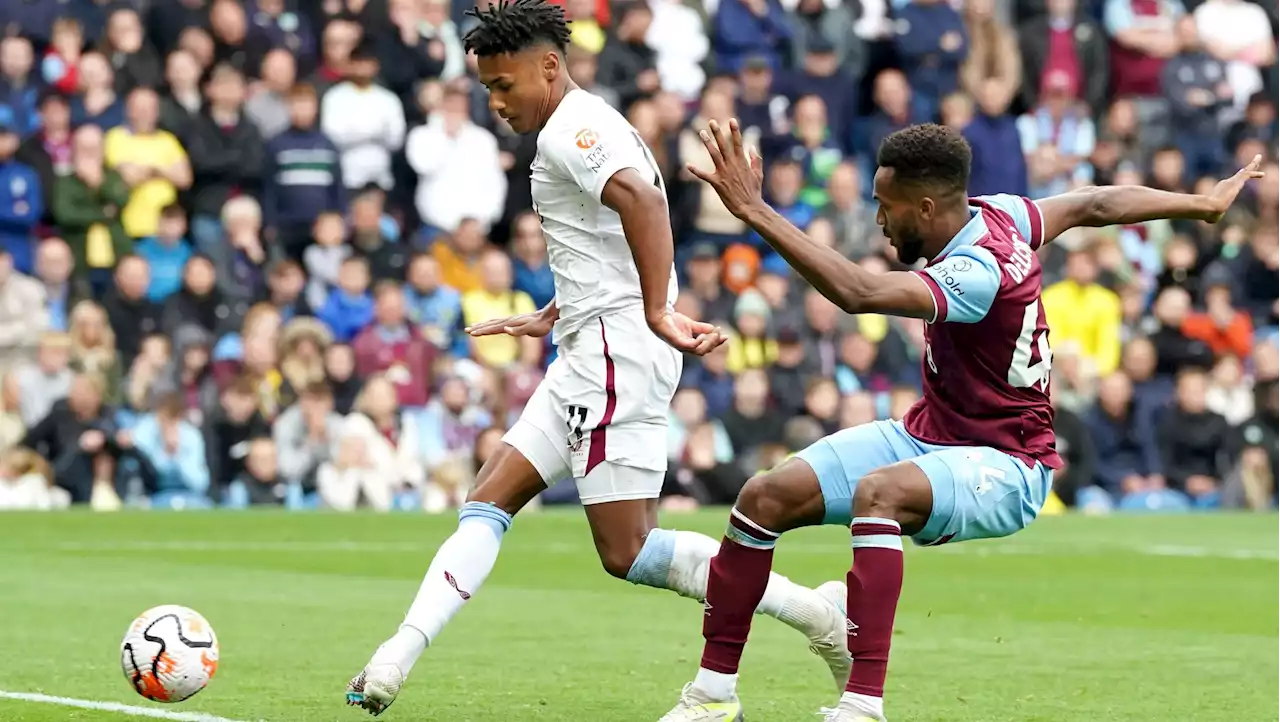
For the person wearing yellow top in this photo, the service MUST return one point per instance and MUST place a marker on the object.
(1080, 311)
(495, 299)
(459, 255)
(150, 160)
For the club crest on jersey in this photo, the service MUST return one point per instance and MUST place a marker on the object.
(586, 139)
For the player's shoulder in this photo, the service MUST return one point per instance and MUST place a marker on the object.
(581, 123)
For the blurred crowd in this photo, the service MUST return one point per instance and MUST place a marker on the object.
(239, 239)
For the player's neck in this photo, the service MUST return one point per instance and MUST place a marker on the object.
(946, 229)
(563, 88)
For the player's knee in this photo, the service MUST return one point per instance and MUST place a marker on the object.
(877, 495)
(763, 500)
(617, 558)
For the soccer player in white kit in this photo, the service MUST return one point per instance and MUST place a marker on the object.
(600, 415)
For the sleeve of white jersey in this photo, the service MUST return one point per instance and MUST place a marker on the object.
(594, 149)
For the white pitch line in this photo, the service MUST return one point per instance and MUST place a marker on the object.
(125, 709)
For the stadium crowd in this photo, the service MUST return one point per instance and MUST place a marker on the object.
(239, 239)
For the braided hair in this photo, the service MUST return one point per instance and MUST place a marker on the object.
(509, 26)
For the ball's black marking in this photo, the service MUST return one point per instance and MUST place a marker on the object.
(136, 679)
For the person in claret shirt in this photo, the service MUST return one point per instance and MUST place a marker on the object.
(392, 347)
(1142, 39)
(1063, 40)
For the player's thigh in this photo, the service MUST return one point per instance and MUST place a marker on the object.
(617, 387)
(533, 456)
(980, 493)
(842, 459)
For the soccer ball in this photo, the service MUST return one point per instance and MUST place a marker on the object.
(169, 653)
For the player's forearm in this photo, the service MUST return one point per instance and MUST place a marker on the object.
(840, 280)
(1122, 205)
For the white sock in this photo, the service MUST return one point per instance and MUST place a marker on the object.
(716, 686)
(459, 568)
(681, 561)
(863, 704)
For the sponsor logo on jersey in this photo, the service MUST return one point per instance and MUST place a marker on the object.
(586, 139)
(597, 158)
(946, 274)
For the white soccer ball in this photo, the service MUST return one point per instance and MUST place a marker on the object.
(169, 653)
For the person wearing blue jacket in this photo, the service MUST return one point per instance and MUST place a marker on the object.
(747, 28)
(349, 307)
(171, 451)
(1128, 457)
(932, 44)
(21, 199)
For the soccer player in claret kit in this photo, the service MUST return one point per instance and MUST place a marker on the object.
(600, 415)
(974, 458)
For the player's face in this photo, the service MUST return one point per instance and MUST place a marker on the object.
(899, 215)
(520, 85)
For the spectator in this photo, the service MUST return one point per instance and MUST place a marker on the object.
(182, 101)
(98, 103)
(432, 307)
(393, 349)
(306, 435)
(242, 258)
(93, 348)
(746, 28)
(409, 54)
(259, 482)
(285, 284)
(1191, 440)
(80, 438)
(1223, 328)
(1057, 140)
(21, 197)
(1197, 86)
(234, 44)
(384, 444)
(459, 175)
(23, 317)
(46, 381)
(1252, 483)
(750, 423)
(59, 67)
(145, 372)
(340, 369)
(459, 254)
(324, 259)
(1174, 349)
(1064, 40)
(133, 316)
(283, 29)
(814, 149)
(993, 55)
(712, 221)
(134, 61)
(1075, 445)
(495, 299)
(88, 206)
(226, 156)
(371, 236)
(815, 22)
(349, 307)
(931, 45)
(1229, 395)
(166, 253)
(19, 87)
(627, 63)
(268, 104)
(340, 37)
(365, 121)
(678, 37)
(172, 453)
(26, 483)
(198, 300)
(1083, 312)
(1142, 39)
(894, 110)
(150, 160)
(450, 427)
(49, 150)
(753, 347)
(1241, 35)
(990, 132)
(584, 70)
(1152, 393)
(1128, 457)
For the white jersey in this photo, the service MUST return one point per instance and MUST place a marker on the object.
(584, 143)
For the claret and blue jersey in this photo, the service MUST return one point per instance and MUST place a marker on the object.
(983, 430)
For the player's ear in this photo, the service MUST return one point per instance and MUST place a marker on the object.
(550, 65)
(927, 208)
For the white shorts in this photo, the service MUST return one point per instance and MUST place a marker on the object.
(600, 415)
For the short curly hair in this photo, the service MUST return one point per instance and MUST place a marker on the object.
(928, 156)
(509, 26)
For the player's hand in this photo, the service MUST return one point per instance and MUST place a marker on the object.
(1224, 194)
(685, 334)
(737, 178)
(534, 324)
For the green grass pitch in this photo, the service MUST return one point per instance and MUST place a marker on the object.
(1149, 619)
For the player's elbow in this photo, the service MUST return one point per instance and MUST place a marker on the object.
(1098, 206)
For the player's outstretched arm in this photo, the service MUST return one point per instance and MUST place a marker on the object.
(1097, 206)
(642, 207)
(737, 179)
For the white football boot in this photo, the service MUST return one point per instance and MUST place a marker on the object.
(696, 707)
(375, 688)
(832, 643)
